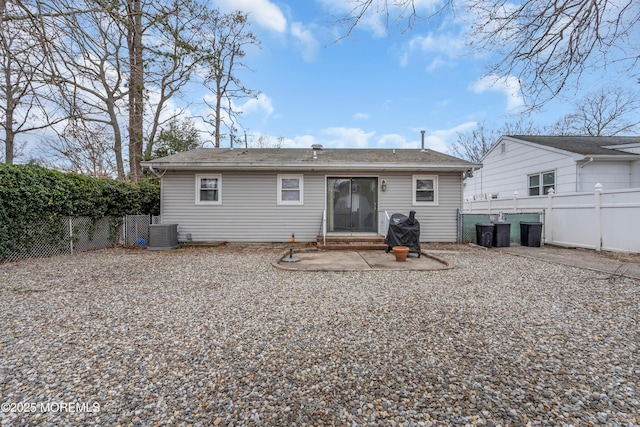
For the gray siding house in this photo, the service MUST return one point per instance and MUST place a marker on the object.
(273, 194)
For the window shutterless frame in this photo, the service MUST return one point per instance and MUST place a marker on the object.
(425, 190)
(540, 183)
(208, 189)
(290, 189)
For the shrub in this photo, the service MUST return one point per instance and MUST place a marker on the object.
(32, 194)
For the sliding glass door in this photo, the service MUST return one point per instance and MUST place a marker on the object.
(352, 205)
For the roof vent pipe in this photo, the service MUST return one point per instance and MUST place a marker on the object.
(422, 132)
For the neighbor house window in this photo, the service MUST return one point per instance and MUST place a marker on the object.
(208, 189)
(290, 189)
(541, 183)
(425, 190)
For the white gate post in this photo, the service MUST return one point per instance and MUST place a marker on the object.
(598, 216)
(548, 218)
(515, 202)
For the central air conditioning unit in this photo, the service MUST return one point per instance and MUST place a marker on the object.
(163, 236)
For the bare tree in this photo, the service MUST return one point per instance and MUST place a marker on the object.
(136, 87)
(24, 95)
(82, 148)
(175, 54)
(226, 37)
(89, 68)
(475, 144)
(267, 141)
(548, 44)
(606, 112)
(115, 64)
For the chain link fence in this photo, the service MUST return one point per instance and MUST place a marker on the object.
(76, 234)
(467, 224)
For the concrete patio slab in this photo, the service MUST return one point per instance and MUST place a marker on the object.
(314, 260)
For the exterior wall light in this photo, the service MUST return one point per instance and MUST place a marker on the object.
(383, 185)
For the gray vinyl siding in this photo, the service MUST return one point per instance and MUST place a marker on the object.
(437, 223)
(249, 211)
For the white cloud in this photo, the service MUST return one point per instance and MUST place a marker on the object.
(260, 105)
(392, 140)
(306, 40)
(263, 12)
(370, 21)
(441, 139)
(304, 141)
(379, 14)
(508, 85)
(360, 116)
(341, 137)
(333, 137)
(448, 45)
(437, 62)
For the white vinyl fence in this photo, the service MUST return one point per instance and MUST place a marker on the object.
(602, 220)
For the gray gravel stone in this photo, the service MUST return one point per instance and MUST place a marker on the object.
(218, 336)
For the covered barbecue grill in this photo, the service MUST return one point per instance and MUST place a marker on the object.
(404, 231)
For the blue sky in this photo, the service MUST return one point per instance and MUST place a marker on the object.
(377, 87)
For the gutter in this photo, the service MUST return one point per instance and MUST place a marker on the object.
(381, 167)
(626, 157)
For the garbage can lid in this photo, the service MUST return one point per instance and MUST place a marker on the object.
(486, 224)
(530, 223)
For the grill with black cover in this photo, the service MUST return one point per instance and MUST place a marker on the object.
(404, 231)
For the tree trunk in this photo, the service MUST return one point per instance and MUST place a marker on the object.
(9, 137)
(136, 90)
(218, 122)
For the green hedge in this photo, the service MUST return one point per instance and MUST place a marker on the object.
(31, 194)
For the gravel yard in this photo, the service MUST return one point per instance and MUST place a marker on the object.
(218, 336)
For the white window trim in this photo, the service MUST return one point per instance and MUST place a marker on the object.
(541, 182)
(205, 202)
(415, 187)
(300, 178)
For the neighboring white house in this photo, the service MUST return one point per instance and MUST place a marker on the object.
(271, 194)
(532, 165)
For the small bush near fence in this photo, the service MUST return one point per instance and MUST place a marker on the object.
(35, 201)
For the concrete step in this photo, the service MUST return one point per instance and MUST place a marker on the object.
(351, 243)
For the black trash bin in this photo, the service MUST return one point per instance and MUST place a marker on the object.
(502, 234)
(484, 234)
(530, 233)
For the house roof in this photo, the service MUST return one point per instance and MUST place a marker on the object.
(584, 145)
(311, 159)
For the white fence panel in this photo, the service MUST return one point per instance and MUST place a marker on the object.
(607, 220)
(572, 226)
(621, 220)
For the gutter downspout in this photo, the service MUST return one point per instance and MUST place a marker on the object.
(579, 175)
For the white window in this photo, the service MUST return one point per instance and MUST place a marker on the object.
(208, 189)
(541, 183)
(425, 190)
(290, 190)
